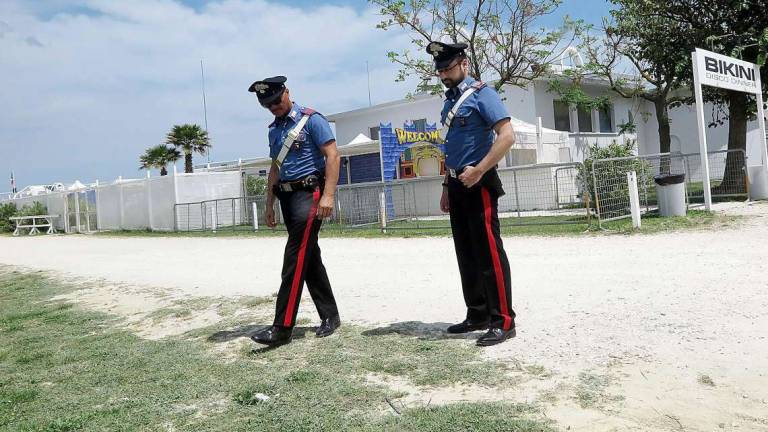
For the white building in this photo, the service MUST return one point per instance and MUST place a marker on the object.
(584, 127)
(357, 131)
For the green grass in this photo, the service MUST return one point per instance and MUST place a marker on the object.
(547, 226)
(67, 369)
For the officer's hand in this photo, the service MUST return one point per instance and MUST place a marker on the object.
(470, 176)
(270, 216)
(325, 207)
(444, 205)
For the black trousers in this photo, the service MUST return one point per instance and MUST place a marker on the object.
(483, 264)
(302, 260)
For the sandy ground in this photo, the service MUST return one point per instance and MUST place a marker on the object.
(651, 314)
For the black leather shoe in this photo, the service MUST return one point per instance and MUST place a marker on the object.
(274, 335)
(467, 326)
(328, 326)
(495, 336)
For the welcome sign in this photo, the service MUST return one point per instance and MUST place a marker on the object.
(717, 70)
(405, 137)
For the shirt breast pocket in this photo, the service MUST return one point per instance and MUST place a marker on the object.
(463, 116)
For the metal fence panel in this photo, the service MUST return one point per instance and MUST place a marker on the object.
(607, 179)
(535, 194)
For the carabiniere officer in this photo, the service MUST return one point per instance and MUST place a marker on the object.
(479, 135)
(303, 176)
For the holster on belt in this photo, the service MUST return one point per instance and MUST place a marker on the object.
(308, 183)
(492, 181)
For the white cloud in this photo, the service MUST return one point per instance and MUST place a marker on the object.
(85, 92)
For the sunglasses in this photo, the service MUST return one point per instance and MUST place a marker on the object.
(277, 101)
(449, 68)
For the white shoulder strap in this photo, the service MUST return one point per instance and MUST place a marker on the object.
(452, 113)
(289, 139)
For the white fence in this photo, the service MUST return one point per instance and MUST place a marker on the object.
(134, 204)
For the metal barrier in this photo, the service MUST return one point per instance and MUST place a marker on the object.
(607, 179)
(227, 213)
(535, 195)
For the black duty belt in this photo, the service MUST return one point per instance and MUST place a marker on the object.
(455, 173)
(309, 182)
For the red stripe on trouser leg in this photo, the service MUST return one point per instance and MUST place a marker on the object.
(292, 298)
(500, 286)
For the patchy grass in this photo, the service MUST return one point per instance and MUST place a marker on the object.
(226, 307)
(66, 369)
(706, 380)
(591, 391)
(653, 223)
(538, 371)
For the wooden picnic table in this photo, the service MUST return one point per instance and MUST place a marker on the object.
(47, 221)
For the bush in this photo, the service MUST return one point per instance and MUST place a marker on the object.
(616, 189)
(255, 185)
(7, 210)
(37, 208)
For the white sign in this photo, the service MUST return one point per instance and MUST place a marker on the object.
(717, 70)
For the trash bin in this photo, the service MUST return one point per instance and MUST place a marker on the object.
(670, 193)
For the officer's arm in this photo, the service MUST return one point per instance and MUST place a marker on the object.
(332, 165)
(274, 172)
(505, 138)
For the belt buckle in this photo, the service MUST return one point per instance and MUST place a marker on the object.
(452, 173)
(286, 187)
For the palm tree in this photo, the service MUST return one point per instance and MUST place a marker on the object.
(158, 157)
(190, 139)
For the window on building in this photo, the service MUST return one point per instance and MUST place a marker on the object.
(373, 132)
(605, 116)
(562, 116)
(585, 119)
(420, 124)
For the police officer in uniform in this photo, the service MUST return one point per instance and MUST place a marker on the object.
(479, 135)
(303, 176)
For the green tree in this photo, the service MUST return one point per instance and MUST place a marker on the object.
(159, 157)
(651, 45)
(735, 28)
(504, 43)
(190, 139)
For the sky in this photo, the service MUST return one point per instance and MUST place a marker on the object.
(88, 85)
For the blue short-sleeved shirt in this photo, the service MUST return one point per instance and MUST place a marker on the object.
(305, 157)
(471, 134)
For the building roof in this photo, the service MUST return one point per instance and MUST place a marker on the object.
(421, 97)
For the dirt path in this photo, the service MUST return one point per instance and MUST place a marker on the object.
(624, 332)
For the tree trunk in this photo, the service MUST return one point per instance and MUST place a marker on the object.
(662, 115)
(188, 163)
(163, 171)
(734, 180)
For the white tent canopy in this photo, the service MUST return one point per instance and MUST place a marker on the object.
(76, 186)
(361, 144)
(525, 137)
